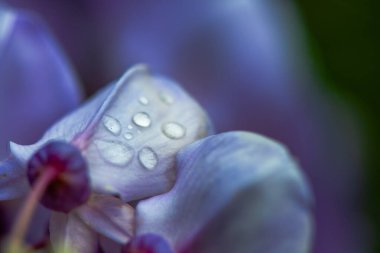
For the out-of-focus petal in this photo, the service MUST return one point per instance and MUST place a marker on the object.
(109, 246)
(13, 182)
(109, 216)
(147, 243)
(131, 133)
(236, 192)
(36, 84)
(69, 234)
(38, 228)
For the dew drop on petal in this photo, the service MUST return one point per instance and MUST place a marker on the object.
(148, 158)
(142, 119)
(174, 130)
(128, 136)
(166, 98)
(130, 127)
(110, 188)
(143, 100)
(115, 152)
(112, 125)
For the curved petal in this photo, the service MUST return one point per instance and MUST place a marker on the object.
(131, 131)
(13, 181)
(108, 216)
(236, 192)
(36, 84)
(69, 234)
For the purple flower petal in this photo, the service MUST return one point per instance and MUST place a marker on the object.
(147, 243)
(36, 84)
(13, 182)
(236, 192)
(130, 134)
(109, 246)
(109, 216)
(68, 233)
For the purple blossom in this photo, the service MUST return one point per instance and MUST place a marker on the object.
(37, 87)
(235, 191)
(33, 72)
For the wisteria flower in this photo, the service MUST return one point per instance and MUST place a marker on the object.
(131, 171)
(231, 55)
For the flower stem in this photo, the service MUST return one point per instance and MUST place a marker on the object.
(26, 213)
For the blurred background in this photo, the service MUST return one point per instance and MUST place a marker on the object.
(343, 40)
(301, 72)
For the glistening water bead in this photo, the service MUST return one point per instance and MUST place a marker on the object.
(112, 125)
(128, 136)
(143, 100)
(148, 158)
(166, 98)
(114, 152)
(174, 130)
(142, 119)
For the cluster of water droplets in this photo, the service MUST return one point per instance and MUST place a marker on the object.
(120, 154)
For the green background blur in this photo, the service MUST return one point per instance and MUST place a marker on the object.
(344, 41)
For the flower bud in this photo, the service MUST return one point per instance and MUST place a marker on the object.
(70, 187)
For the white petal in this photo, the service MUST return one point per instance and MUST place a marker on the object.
(109, 216)
(236, 192)
(130, 134)
(69, 234)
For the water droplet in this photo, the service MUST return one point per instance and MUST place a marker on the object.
(174, 130)
(115, 152)
(166, 98)
(130, 127)
(143, 100)
(110, 188)
(128, 136)
(148, 158)
(141, 119)
(112, 125)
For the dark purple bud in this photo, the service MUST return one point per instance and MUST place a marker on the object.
(71, 185)
(147, 243)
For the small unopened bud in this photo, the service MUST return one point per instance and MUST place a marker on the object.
(70, 186)
(147, 243)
